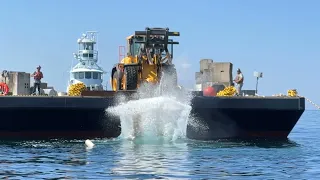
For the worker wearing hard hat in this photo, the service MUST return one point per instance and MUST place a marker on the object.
(37, 75)
(239, 80)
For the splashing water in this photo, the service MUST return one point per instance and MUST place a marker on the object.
(153, 115)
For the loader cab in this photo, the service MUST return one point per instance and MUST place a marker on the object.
(133, 47)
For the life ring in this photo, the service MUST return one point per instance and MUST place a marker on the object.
(4, 88)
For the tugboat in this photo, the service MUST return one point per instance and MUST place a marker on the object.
(87, 71)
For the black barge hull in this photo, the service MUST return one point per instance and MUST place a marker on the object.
(41, 117)
(244, 117)
(32, 117)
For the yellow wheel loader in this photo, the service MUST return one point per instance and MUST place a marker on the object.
(148, 60)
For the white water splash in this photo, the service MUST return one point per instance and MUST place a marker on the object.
(164, 116)
(161, 112)
(157, 116)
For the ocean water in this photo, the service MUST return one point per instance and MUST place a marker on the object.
(145, 158)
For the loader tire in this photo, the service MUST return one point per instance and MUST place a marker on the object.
(131, 78)
(115, 81)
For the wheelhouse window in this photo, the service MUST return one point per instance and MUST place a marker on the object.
(81, 75)
(88, 75)
(88, 46)
(87, 55)
(95, 75)
(76, 75)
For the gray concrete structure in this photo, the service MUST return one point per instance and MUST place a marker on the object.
(205, 64)
(213, 72)
(18, 82)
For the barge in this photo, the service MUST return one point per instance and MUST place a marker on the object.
(83, 116)
(43, 117)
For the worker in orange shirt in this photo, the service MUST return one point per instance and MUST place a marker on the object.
(37, 75)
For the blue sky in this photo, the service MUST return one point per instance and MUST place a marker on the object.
(279, 38)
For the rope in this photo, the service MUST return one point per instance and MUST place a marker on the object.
(314, 104)
(227, 91)
(76, 89)
(294, 93)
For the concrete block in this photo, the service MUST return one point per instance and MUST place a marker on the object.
(18, 82)
(198, 76)
(198, 87)
(214, 72)
(204, 64)
(222, 72)
(23, 83)
(43, 85)
(202, 77)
